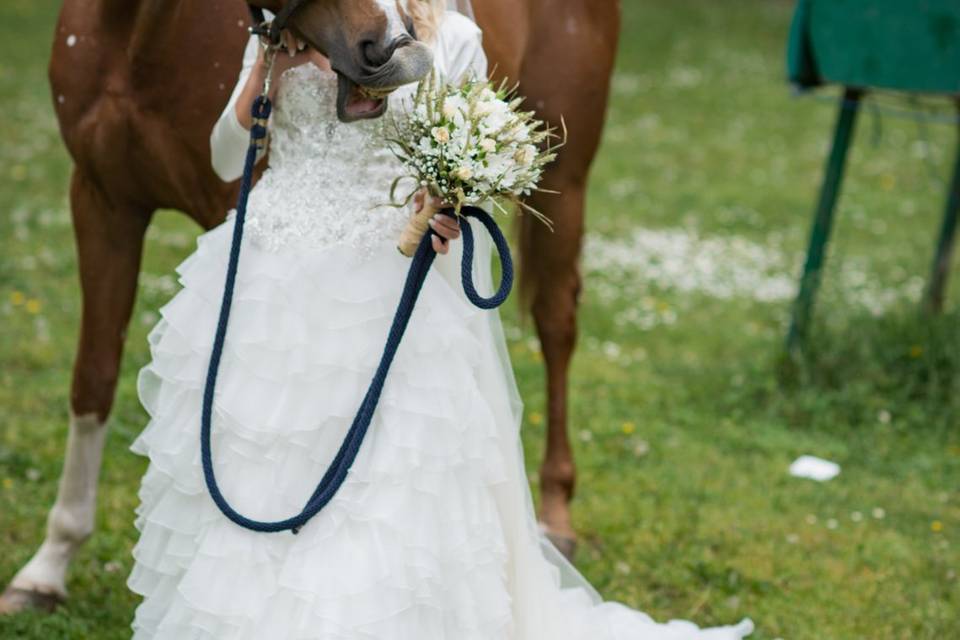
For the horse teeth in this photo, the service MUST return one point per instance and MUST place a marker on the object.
(375, 94)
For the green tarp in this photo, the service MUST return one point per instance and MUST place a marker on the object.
(906, 45)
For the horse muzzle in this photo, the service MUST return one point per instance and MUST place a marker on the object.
(363, 92)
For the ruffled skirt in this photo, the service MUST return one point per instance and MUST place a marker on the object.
(432, 536)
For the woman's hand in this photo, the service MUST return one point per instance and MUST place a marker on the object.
(447, 227)
(293, 53)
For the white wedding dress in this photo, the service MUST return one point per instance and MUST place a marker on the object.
(433, 536)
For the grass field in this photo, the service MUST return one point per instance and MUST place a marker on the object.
(699, 210)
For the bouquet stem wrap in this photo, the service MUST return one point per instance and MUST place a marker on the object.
(416, 228)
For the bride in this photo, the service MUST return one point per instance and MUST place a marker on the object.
(433, 535)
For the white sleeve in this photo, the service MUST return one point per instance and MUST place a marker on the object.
(462, 43)
(229, 139)
(462, 40)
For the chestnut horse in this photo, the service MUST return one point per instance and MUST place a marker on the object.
(137, 86)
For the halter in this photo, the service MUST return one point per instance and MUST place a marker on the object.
(271, 29)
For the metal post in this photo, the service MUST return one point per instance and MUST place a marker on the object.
(823, 222)
(936, 291)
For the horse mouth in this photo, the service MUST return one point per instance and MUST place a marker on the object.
(363, 89)
(356, 102)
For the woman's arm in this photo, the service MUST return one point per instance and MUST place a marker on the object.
(231, 133)
(230, 138)
(462, 41)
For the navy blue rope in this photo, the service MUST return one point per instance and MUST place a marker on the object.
(423, 259)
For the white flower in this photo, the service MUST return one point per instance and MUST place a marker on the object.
(526, 155)
(463, 173)
(488, 144)
(519, 133)
(441, 134)
(493, 122)
(453, 105)
(458, 140)
(426, 147)
(485, 108)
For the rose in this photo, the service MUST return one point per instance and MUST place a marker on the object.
(441, 135)
(463, 172)
(488, 144)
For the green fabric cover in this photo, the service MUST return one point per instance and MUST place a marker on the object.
(906, 45)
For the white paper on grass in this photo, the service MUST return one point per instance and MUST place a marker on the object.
(814, 468)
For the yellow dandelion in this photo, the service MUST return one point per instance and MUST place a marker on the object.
(888, 182)
(936, 526)
(17, 298)
(536, 418)
(628, 428)
(916, 351)
(8, 483)
(33, 306)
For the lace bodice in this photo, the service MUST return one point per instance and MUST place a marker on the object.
(327, 182)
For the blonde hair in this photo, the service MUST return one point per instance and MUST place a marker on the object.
(426, 15)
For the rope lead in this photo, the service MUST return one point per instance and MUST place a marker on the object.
(336, 473)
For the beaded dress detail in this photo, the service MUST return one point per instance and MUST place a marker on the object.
(433, 536)
(309, 149)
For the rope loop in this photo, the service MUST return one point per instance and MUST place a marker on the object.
(506, 261)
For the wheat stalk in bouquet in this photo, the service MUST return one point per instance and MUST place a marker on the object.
(469, 144)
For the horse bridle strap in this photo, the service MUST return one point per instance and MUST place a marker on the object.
(271, 29)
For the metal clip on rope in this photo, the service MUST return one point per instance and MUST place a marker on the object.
(336, 474)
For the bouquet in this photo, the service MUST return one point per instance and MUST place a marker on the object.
(467, 145)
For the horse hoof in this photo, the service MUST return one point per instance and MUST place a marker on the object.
(567, 545)
(14, 600)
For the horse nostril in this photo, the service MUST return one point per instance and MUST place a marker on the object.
(376, 54)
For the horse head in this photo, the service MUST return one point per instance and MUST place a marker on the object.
(371, 44)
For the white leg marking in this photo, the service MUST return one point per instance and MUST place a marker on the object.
(70, 522)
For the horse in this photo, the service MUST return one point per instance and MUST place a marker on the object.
(137, 86)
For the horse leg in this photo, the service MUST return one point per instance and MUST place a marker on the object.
(109, 244)
(554, 308)
(551, 280)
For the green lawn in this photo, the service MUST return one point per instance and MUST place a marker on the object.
(700, 205)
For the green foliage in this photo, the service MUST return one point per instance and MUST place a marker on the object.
(682, 430)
